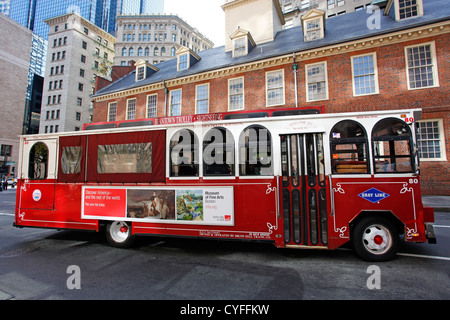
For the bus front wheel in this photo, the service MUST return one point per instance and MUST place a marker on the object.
(118, 234)
(375, 239)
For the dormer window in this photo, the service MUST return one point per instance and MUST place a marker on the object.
(183, 62)
(404, 9)
(144, 70)
(313, 23)
(409, 8)
(186, 58)
(140, 73)
(240, 49)
(243, 43)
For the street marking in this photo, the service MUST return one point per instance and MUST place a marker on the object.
(423, 256)
(7, 214)
(440, 226)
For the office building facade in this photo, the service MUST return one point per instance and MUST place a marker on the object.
(78, 52)
(16, 42)
(155, 38)
(102, 13)
(294, 9)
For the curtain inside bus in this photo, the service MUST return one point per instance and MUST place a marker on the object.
(133, 157)
(72, 159)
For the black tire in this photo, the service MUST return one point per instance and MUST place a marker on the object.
(118, 234)
(375, 239)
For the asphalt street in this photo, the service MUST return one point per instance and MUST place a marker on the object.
(66, 265)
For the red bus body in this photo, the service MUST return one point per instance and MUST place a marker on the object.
(311, 192)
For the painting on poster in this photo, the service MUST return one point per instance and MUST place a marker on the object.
(155, 204)
(189, 205)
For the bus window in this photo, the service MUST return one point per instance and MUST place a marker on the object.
(38, 164)
(392, 141)
(255, 152)
(348, 141)
(184, 154)
(124, 158)
(71, 160)
(218, 153)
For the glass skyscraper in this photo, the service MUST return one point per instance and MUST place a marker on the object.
(32, 13)
(132, 7)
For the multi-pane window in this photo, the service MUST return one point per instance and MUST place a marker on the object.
(313, 29)
(131, 109)
(140, 73)
(422, 71)
(239, 47)
(236, 94)
(5, 150)
(175, 102)
(202, 98)
(408, 8)
(183, 62)
(112, 111)
(430, 140)
(365, 79)
(275, 88)
(316, 78)
(152, 101)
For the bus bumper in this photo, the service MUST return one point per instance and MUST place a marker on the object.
(429, 230)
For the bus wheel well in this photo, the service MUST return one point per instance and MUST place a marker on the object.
(400, 227)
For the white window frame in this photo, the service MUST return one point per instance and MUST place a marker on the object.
(375, 73)
(268, 104)
(240, 53)
(128, 109)
(109, 111)
(148, 105)
(179, 62)
(243, 94)
(170, 101)
(308, 99)
(140, 73)
(441, 140)
(315, 32)
(433, 61)
(397, 10)
(197, 97)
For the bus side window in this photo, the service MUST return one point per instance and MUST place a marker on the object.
(392, 141)
(184, 154)
(218, 153)
(255, 152)
(348, 141)
(38, 163)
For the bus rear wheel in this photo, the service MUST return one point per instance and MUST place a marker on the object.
(118, 234)
(375, 239)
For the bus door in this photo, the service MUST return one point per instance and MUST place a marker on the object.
(38, 174)
(304, 196)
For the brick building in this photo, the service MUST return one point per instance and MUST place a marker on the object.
(396, 58)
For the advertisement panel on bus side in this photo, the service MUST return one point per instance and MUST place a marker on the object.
(181, 205)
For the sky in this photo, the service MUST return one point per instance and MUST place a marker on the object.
(206, 16)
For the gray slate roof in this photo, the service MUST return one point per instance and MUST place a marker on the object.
(344, 28)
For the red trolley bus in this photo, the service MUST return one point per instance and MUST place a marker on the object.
(297, 181)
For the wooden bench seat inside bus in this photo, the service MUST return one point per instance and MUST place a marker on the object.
(351, 167)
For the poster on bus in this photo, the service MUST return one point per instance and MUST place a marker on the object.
(196, 205)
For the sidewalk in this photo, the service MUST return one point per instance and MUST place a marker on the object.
(439, 203)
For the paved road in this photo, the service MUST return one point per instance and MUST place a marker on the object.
(47, 264)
